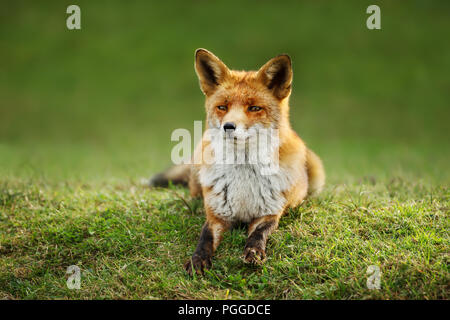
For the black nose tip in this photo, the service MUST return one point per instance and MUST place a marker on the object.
(229, 126)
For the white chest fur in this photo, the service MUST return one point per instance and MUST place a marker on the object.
(240, 192)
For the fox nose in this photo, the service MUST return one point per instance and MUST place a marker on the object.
(229, 126)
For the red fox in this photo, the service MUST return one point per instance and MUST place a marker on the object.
(237, 104)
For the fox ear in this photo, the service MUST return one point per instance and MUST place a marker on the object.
(211, 71)
(276, 74)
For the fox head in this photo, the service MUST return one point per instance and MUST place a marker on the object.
(237, 101)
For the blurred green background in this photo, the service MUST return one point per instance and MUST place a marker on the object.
(100, 103)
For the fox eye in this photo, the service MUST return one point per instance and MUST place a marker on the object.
(254, 108)
(222, 108)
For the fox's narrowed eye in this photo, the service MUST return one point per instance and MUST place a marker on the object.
(222, 108)
(254, 108)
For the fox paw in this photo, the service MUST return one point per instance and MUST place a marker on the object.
(254, 255)
(198, 264)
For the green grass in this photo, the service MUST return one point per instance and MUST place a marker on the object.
(131, 242)
(85, 115)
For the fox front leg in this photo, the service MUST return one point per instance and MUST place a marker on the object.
(210, 238)
(259, 231)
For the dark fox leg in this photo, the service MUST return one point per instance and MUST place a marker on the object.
(210, 238)
(178, 174)
(259, 230)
